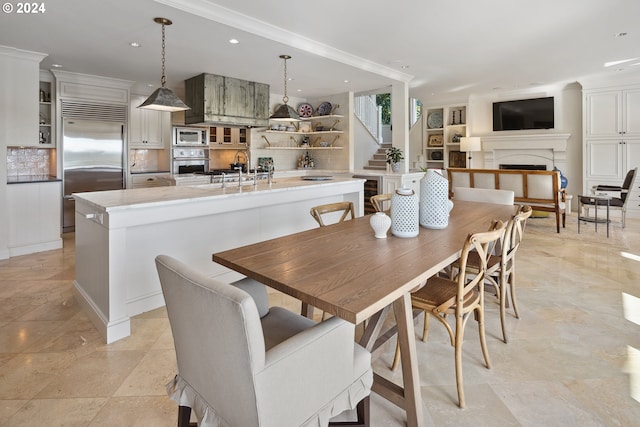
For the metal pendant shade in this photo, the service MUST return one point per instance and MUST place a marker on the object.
(163, 99)
(285, 113)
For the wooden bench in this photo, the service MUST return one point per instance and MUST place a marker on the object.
(538, 189)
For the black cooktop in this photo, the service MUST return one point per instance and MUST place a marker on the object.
(221, 171)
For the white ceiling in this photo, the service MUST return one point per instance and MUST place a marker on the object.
(450, 48)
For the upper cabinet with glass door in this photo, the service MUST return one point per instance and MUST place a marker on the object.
(46, 108)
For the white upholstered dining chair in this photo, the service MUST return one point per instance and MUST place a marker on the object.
(241, 363)
(484, 195)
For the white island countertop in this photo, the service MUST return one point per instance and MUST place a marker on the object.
(114, 200)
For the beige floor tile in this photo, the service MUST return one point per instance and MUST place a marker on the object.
(98, 374)
(9, 407)
(17, 337)
(138, 412)
(151, 375)
(56, 413)
(609, 399)
(547, 403)
(24, 375)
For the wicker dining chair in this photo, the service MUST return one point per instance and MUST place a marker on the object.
(500, 272)
(460, 297)
(346, 208)
(378, 201)
(322, 212)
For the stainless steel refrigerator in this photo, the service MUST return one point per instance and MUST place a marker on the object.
(92, 159)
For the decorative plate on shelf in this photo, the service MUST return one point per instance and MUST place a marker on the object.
(434, 121)
(324, 109)
(305, 109)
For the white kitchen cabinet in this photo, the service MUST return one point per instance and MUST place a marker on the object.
(612, 113)
(148, 129)
(47, 116)
(19, 89)
(34, 217)
(228, 137)
(390, 183)
(611, 138)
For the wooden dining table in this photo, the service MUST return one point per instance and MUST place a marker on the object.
(344, 270)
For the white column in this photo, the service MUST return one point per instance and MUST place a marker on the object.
(400, 120)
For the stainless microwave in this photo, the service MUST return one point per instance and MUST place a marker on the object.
(191, 136)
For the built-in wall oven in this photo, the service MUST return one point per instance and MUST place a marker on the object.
(189, 160)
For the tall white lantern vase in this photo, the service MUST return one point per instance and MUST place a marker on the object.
(404, 213)
(434, 200)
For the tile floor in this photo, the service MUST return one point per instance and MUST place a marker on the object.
(572, 360)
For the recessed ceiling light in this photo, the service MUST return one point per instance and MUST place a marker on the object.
(150, 84)
(622, 34)
(56, 65)
(299, 90)
(346, 81)
(135, 44)
(233, 41)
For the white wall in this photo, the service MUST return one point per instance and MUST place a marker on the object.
(365, 145)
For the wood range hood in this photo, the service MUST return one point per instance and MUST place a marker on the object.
(225, 100)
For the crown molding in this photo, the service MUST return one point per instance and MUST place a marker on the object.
(223, 15)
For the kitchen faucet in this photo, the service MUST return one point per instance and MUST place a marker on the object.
(247, 158)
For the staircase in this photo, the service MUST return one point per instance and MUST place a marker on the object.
(379, 161)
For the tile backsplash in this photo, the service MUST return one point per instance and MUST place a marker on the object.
(28, 161)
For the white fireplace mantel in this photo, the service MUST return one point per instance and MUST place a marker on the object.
(549, 149)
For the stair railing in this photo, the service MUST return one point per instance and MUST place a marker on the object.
(370, 115)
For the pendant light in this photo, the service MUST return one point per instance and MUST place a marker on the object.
(285, 113)
(163, 99)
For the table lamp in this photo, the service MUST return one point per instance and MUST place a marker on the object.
(469, 144)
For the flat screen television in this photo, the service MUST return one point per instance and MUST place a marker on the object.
(522, 114)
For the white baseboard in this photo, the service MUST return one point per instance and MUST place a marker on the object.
(111, 331)
(145, 303)
(38, 247)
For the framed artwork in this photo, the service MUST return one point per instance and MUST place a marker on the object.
(457, 159)
(435, 141)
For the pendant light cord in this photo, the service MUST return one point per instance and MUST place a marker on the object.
(285, 99)
(163, 79)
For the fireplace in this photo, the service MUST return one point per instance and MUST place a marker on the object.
(545, 149)
(524, 167)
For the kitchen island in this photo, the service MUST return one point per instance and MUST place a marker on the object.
(119, 233)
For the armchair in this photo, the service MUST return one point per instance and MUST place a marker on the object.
(616, 203)
(236, 368)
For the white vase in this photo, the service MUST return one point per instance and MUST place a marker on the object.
(380, 223)
(434, 201)
(404, 213)
(395, 167)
